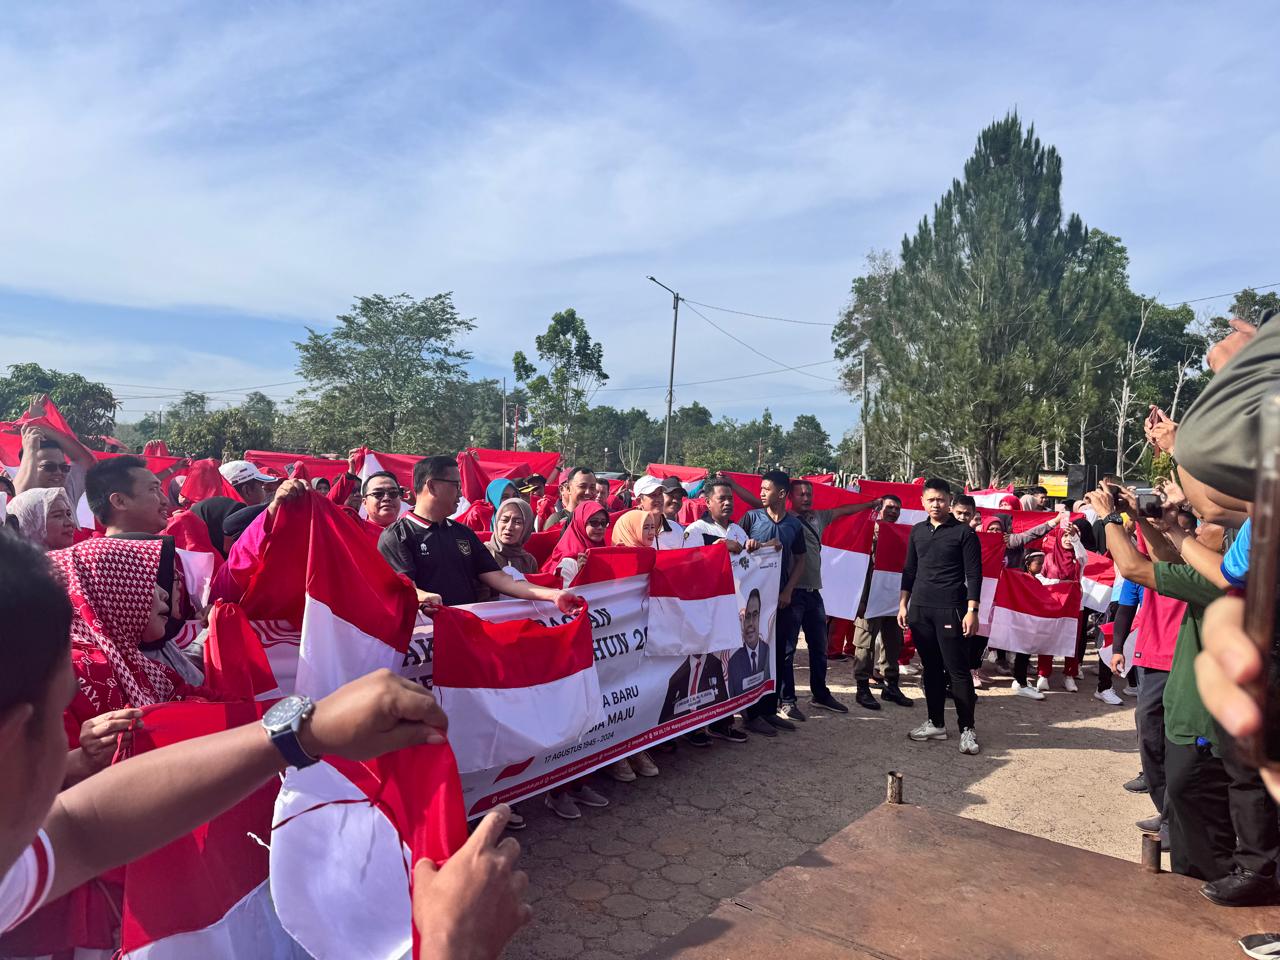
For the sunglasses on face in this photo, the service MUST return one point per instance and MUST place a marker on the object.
(389, 494)
(55, 467)
(598, 522)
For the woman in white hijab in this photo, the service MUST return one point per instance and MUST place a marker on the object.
(45, 517)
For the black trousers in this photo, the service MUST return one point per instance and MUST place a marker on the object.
(1220, 814)
(1149, 716)
(945, 653)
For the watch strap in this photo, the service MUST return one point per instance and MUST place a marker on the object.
(286, 741)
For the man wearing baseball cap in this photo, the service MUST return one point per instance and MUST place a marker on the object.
(651, 497)
(249, 482)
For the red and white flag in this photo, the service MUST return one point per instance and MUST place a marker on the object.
(205, 894)
(992, 567)
(908, 493)
(523, 687)
(886, 572)
(1098, 582)
(1031, 616)
(1106, 645)
(995, 497)
(693, 607)
(200, 561)
(846, 557)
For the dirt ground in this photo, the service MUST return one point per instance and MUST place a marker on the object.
(717, 820)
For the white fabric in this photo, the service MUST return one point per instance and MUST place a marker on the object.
(672, 539)
(683, 627)
(333, 651)
(884, 594)
(709, 528)
(331, 911)
(249, 929)
(21, 889)
(844, 574)
(509, 725)
(1026, 633)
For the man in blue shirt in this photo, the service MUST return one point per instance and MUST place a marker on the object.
(773, 524)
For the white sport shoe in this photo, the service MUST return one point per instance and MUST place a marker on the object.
(1109, 696)
(643, 764)
(621, 771)
(1042, 684)
(1129, 691)
(927, 731)
(1069, 684)
(1027, 691)
(969, 741)
(908, 670)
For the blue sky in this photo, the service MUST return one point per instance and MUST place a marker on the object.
(185, 187)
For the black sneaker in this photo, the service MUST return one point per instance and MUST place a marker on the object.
(792, 712)
(837, 657)
(828, 702)
(893, 695)
(778, 722)
(732, 734)
(699, 738)
(761, 726)
(1242, 888)
(865, 698)
(1138, 784)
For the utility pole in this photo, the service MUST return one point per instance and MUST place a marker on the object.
(671, 375)
(515, 430)
(863, 412)
(504, 413)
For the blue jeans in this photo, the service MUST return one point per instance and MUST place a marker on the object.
(807, 613)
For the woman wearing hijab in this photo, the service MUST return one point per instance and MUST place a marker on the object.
(512, 527)
(118, 607)
(45, 517)
(586, 530)
(635, 528)
(1063, 560)
(214, 512)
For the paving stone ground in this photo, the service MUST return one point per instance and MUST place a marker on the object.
(717, 820)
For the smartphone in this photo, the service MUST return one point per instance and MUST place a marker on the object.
(1261, 622)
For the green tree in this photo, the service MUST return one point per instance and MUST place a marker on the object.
(573, 369)
(807, 447)
(977, 332)
(89, 407)
(259, 408)
(391, 375)
(224, 434)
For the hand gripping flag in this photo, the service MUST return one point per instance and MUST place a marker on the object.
(846, 557)
(1035, 617)
(523, 686)
(693, 608)
(1099, 579)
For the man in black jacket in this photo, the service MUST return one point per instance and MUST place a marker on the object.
(941, 590)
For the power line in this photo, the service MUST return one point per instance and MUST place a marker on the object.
(759, 353)
(758, 316)
(1219, 296)
(699, 383)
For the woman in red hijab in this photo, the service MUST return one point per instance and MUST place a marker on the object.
(586, 530)
(1063, 560)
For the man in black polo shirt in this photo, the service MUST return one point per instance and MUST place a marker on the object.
(941, 589)
(445, 560)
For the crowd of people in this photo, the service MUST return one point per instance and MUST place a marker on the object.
(98, 625)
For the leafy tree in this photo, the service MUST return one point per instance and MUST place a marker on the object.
(807, 447)
(90, 408)
(573, 371)
(390, 374)
(225, 434)
(259, 408)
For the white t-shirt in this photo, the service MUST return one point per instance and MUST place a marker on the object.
(26, 884)
(706, 527)
(672, 539)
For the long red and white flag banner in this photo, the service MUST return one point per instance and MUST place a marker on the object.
(1098, 581)
(1033, 616)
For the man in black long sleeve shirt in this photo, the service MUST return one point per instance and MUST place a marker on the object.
(941, 590)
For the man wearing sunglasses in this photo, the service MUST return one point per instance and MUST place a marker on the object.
(50, 459)
(446, 560)
(381, 499)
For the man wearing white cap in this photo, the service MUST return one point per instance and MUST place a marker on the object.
(651, 497)
(249, 482)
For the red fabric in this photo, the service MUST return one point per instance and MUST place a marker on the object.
(52, 420)
(542, 543)
(908, 493)
(342, 487)
(204, 480)
(1156, 624)
(574, 541)
(891, 547)
(316, 467)
(314, 550)
(192, 882)
(683, 474)
(839, 637)
(478, 516)
(546, 506)
(1044, 666)
(474, 653)
(692, 509)
(695, 573)
(235, 662)
(1060, 560)
(155, 448)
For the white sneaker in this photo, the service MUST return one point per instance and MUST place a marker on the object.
(621, 771)
(1042, 684)
(1069, 684)
(1109, 696)
(927, 731)
(1129, 691)
(908, 670)
(1027, 691)
(969, 741)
